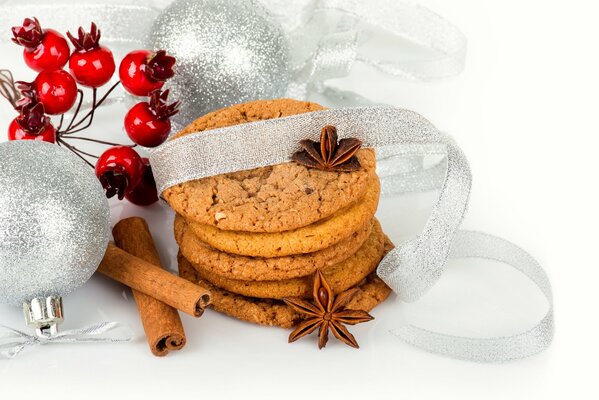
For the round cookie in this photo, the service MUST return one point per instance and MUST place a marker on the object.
(269, 199)
(311, 238)
(340, 276)
(264, 269)
(373, 291)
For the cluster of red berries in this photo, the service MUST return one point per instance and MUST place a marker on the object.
(120, 169)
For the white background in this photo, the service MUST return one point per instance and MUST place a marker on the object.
(525, 113)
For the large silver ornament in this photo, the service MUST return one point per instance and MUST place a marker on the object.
(227, 52)
(54, 221)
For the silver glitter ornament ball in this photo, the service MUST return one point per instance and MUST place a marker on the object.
(54, 221)
(228, 52)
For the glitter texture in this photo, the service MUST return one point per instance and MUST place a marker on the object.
(54, 221)
(227, 52)
(232, 51)
(469, 244)
(393, 131)
(414, 266)
(401, 138)
(124, 26)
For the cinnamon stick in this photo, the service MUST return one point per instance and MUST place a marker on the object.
(154, 281)
(161, 322)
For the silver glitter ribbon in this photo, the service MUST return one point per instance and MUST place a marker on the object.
(468, 244)
(329, 36)
(125, 25)
(401, 138)
(12, 341)
(326, 37)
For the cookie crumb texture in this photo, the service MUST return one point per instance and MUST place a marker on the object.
(234, 266)
(269, 199)
(317, 236)
(340, 276)
(373, 291)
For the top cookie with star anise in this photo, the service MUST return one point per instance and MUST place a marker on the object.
(280, 197)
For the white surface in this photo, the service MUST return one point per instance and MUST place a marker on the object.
(524, 112)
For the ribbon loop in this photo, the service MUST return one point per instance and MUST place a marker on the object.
(402, 139)
(468, 244)
(329, 36)
(443, 43)
(326, 38)
(322, 51)
(415, 265)
(122, 24)
(13, 341)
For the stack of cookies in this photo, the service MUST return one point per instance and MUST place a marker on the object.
(255, 237)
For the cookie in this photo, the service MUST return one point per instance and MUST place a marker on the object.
(340, 276)
(373, 291)
(264, 269)
(309, 239)
(270, 199)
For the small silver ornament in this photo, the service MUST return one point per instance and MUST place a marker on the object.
(54, 226)
(227, 52)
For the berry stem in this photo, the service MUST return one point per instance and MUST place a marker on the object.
(74, 150)
(8, 89)
(108, 93)
(75, 114)
(89, 117)
(95, 140)
(95, 104)
(76, 125)
(79, 150)
(60, 123)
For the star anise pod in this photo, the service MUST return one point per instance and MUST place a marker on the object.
(327, 312)
(328, 154)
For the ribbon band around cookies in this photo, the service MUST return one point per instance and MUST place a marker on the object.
(401, 139)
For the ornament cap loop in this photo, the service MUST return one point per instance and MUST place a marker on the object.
(44, 314)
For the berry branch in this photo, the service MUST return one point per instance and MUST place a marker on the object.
(80, 93)
(8, 88)
(77, 152)
(54, 92)
(75, 149)
(72, 127)
(60, 123)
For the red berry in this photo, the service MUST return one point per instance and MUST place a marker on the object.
(44, 49)
(142, 71)
(145, 193)
(32, 124)
(56, 90)
(15, 132)
(148, 124)
(92, 65)
(119, 169)
(144, 128)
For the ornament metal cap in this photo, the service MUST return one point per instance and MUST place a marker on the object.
(44, 314)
